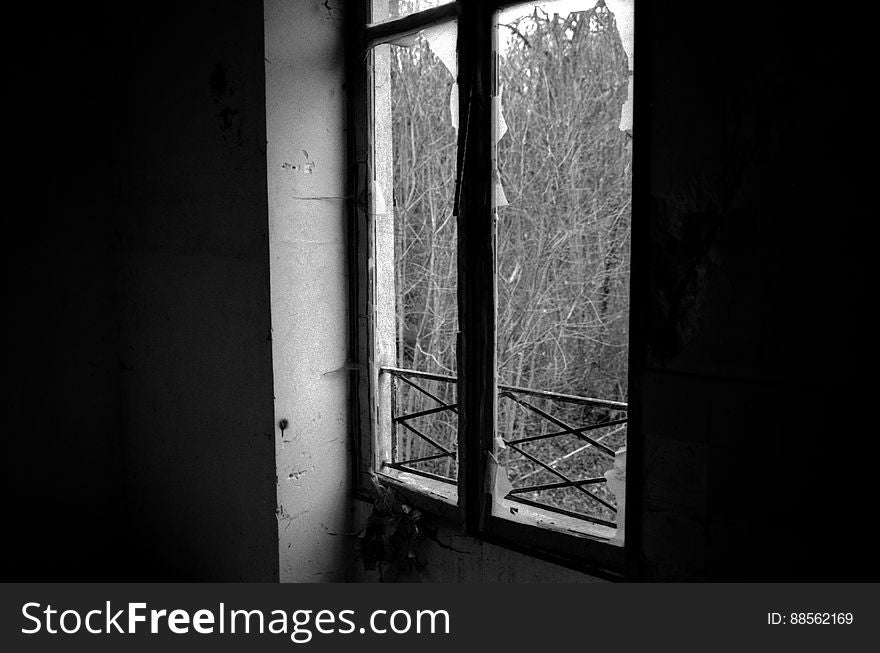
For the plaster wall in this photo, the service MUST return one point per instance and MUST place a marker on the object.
(306, 178)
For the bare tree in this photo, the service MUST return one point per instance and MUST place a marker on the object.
(563, 239)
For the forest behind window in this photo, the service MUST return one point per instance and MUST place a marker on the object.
(563, 197)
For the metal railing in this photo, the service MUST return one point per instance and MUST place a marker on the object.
(612, 414)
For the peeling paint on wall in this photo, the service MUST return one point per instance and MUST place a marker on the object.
(308, 254)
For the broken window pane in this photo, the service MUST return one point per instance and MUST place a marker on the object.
(416, 268)
(385, 10)
(563, 247)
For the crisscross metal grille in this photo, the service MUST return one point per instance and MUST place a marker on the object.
(556, 446)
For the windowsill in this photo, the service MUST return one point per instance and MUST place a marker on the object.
(434, 489)
(530, 516)
(562, 540)
(414, 485)
(510, 510)
(440, 500)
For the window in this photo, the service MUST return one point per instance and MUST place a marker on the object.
(492, 198)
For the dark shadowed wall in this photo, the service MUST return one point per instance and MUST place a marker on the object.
(141, 443)
(751, 226)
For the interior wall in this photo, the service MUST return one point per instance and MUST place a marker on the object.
(62, 496)
(195, 351)
(752, 283)
(306, 176)
(140, 432)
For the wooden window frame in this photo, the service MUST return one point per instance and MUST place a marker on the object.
(476, 351)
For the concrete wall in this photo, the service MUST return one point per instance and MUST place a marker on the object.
(142, 434)
(60, 447)
(196, 390)
(306, 173)
(753, 279)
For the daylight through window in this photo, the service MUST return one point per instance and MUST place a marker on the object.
(561, 150)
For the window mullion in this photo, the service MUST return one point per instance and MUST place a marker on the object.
(476, 273)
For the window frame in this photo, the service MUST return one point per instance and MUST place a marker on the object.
(475, 350)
